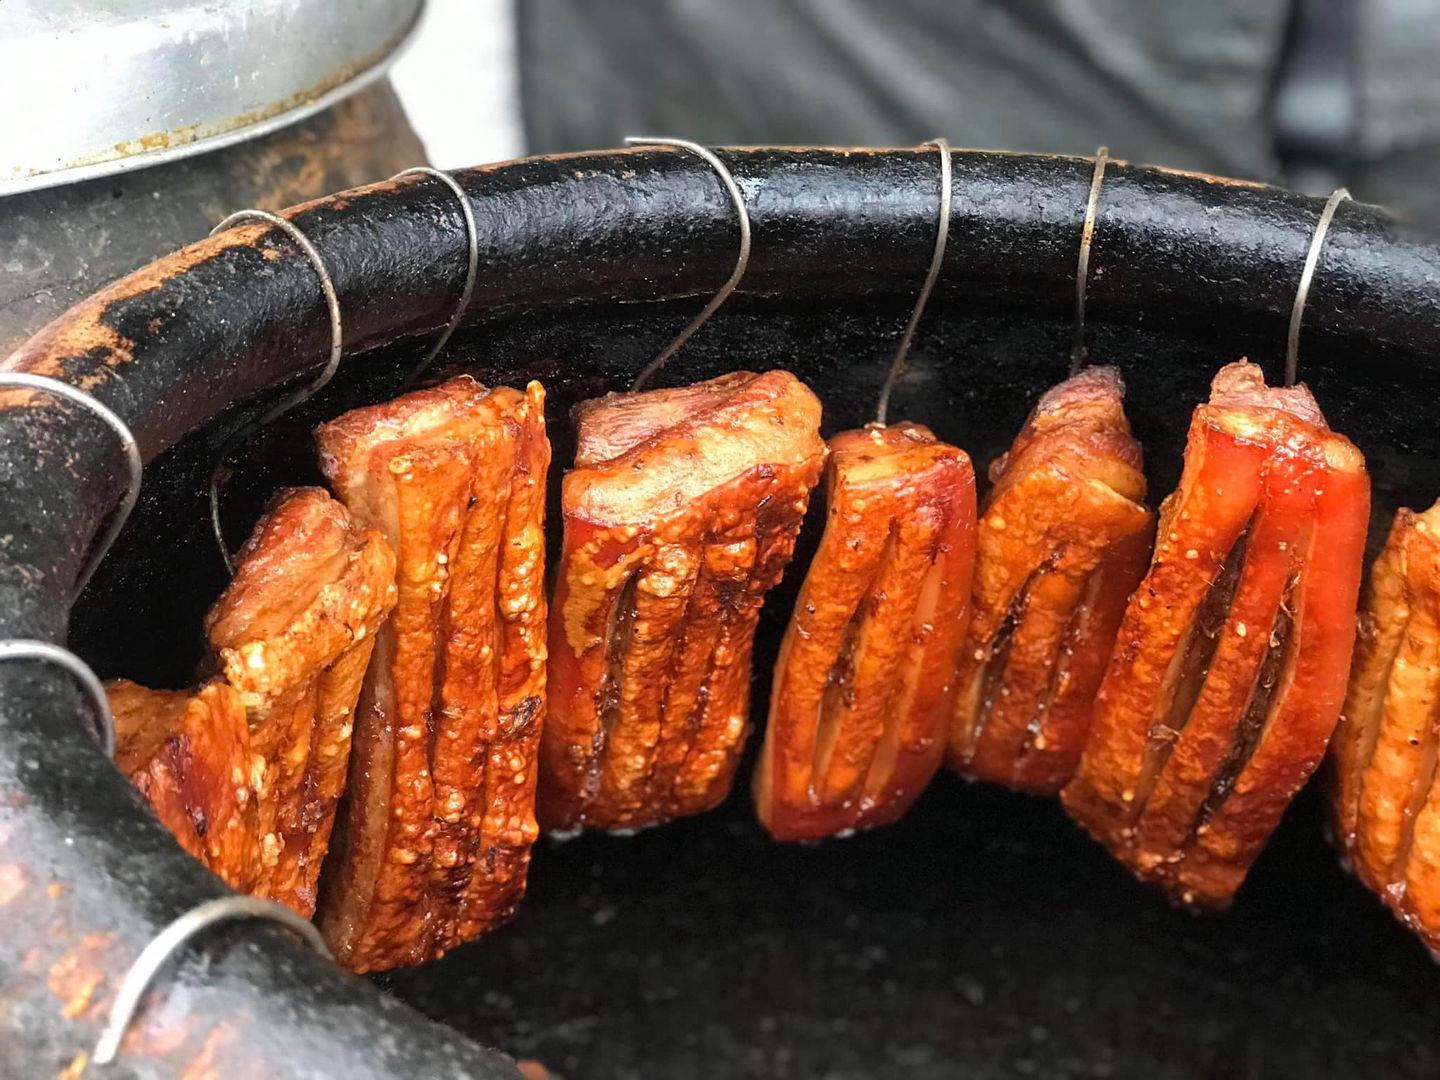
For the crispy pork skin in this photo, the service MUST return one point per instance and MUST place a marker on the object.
(293, 634)
(1229, 669)
(862, 688)
(188, 753)
(1064, 538)
(1385, 798)
(680, 514)
(435, 840)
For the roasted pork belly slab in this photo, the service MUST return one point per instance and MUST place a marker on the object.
(247, 770)
(1064, 538)
(188, 753)
(862, 688)
(436, 833)
(1229, 669)
(680, 514)
(293, 634)
(1385, 798)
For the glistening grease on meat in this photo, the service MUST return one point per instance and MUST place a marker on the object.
(1385, 798)
(862, 688)
(436, 834)
(247, 770)
(1230, 665)
(1064, 538)
(680, 514)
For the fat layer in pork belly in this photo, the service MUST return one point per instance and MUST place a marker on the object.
(1064, 538)
(1230, 666)
(862, 688)
(246, 771)
(188, 753)
(680, 514)
(1385, 799)
(292, 635)
(436, 835)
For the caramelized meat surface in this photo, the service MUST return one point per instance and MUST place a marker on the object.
(188, 753)
(680, 514)
(862, 688)
(1385, 799)
(293, 634)
(435, 840)
(1064, 538)
(247, 770)
(1230, 665)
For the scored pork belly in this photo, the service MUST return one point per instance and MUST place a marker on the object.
(436, 836)
(862, 688)
(1230, 666)
(680, 514)
(188, 753)
(293, 634)
(1385, 800)
(1064, 538)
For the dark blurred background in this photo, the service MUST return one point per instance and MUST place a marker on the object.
(1308, 93)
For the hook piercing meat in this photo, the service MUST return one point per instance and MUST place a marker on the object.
(1385, 800)
(257, 757)
(680, 514)
(861, 693)
(1063, 541)
(1230, 665)
(435, 842)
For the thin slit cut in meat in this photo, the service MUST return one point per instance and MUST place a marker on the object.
(680, 514)
(435, 837)
(1063, 539)
(862, 687)
(1384, 800)
(1230, 664)
(271, 736)
(188, 753)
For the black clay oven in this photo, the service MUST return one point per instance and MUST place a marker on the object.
(983, 936)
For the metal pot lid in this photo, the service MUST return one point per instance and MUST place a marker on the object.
(97, 86)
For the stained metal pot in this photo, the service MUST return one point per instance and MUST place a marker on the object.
(983, 936)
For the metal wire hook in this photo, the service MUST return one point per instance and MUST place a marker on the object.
(153, 957)
(1307, 275)
(296, 397)
(937, 257)
(30, 649)
(1079, 352)
(128, 447)
(742, 259)
(471, 268)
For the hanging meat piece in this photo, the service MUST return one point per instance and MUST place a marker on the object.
(293, 635)
(862, 689)
(188, 753)
(1230, 665)
(247, 770)
(680, 514)
(435, 839)
(1064, 538)
(1386, 801)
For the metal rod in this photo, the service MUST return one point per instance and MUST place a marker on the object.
(937, 258)
(30, 649)
(1307, 275)
(742, 259)
(1079, 352)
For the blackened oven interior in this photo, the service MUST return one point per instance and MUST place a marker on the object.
(984, 933)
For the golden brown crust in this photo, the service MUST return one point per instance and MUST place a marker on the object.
(454, 477)
(862, 685)
(680, 515)
(1229, 668)
(1062, 542)
(292, 635)
(1386, 809)
(188, 754)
